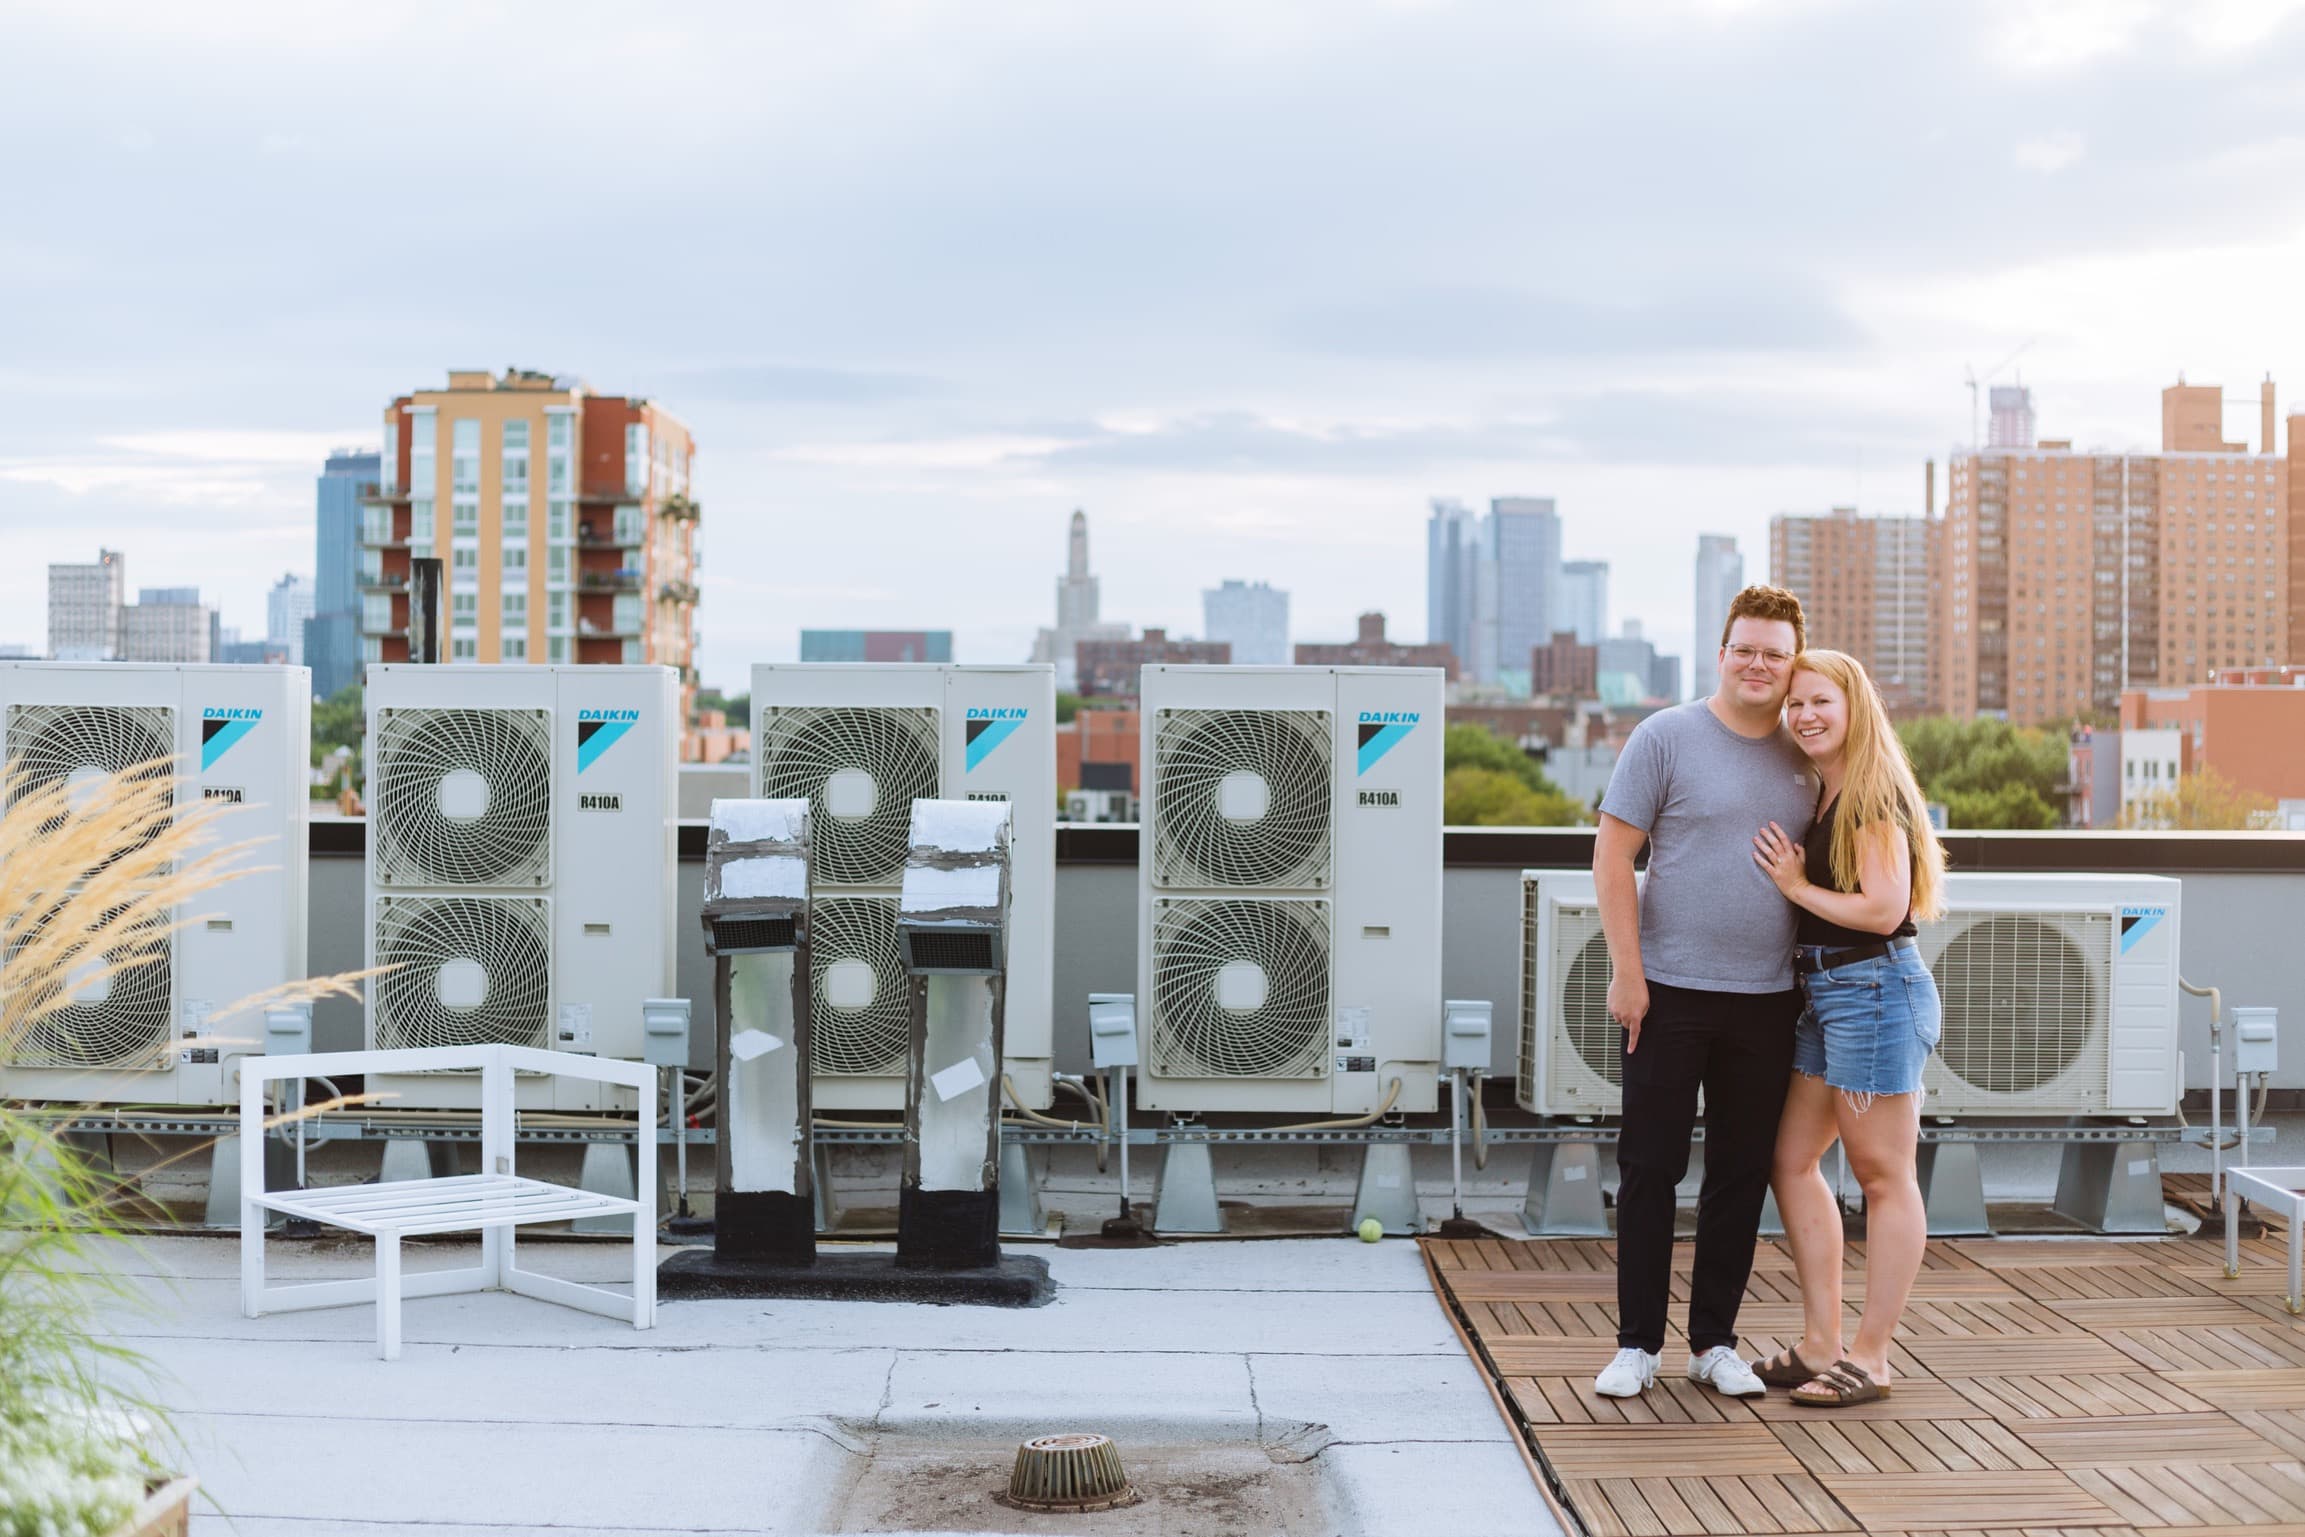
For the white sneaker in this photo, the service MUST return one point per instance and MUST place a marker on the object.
(1629, 1375)
(1724, 1372)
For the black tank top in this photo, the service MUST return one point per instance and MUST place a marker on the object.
(1817, 857)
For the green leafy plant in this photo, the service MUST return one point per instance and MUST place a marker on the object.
(97, 876)
(1492, 783)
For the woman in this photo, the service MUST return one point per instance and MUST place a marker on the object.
(1872, 865)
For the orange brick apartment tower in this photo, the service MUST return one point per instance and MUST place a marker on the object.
(1864, 586)
(2069, 577)
(565, 518)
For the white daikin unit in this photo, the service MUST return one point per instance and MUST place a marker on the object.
(2060, 995)
(860, 742)
(155, 1033)
(1289, 889)
(520, 867)
(1570, 1057)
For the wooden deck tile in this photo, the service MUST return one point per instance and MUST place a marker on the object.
(1932, 1502)
(2081, 1395)
(2006, 1254)
(2224, 1349)
(2153, 1312)
(1919, 1398)
(1979, 1357)
(1534, 1286)
(2129, 1440)
(2259, 1389)
(1629, 1451)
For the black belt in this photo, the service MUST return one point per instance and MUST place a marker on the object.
(1807, 964)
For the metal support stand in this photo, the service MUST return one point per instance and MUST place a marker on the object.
(1185, 1200)
(826, 1201)
(608, 1170)
(1020, 1213)
(1564, 1199)
(224, 1179)
(1772, 1220)
(1953, 1190)
(415, 1158)
(948, 1198)
(1388, 1191)
(2112, 1187)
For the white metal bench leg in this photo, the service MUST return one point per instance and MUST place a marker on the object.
(2296, 1297)
(2232, 1233)
(388, 1296)
(251, 1260)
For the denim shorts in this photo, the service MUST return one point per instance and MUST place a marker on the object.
(1868, 1027)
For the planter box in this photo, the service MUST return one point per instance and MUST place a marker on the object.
(166, 1511)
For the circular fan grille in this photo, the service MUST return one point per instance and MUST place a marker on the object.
(119, 1019)
(508, 1003)
(1597, 1039)
(1241, 798)
(870, 1041)
(2020, 1002)
(804, 748)
(462, 797)
(1285, 1034)
(49, 743)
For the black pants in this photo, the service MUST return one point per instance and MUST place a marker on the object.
(1739, 1048)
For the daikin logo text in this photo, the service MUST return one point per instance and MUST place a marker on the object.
(988, 726)
(1381, 731)
(599, 730)
(220, 729)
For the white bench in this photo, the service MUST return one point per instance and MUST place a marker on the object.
(2283, 1190)
(492, 1203)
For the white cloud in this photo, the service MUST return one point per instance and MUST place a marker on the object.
(2050, 153)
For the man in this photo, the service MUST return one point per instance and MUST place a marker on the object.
(1702, 984)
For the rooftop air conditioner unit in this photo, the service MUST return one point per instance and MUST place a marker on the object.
(1571, 1055)
(155, 1032)
(2060, 995)
(1289, 888)
(520, 867)
(860, 742)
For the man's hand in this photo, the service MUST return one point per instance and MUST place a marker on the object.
(1629, 1005)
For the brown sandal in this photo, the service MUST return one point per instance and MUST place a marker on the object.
(1786, 1369)
(1845, 1383)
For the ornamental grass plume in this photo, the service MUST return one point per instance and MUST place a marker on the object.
(97, 874)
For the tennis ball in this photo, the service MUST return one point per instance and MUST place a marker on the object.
(1371, 1230)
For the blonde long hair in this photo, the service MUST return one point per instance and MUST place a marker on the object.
(1877, 784)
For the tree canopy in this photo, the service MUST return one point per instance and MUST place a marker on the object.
(1492, 783)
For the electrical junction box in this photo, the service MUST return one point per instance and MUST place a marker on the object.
(2256, 1040)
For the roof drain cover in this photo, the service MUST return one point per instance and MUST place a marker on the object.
(1068, 1473)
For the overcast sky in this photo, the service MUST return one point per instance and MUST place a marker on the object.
(1250, 282)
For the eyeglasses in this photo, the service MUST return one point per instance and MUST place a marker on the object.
(1746, 656)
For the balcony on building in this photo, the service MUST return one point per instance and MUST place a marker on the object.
(677, 592)
(622, 579)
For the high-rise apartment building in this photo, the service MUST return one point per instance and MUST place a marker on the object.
(2071, 577)
(170, 624)
(286, 606)
(1864, 586)
(84, 603)
(1453, 582)
(1253, 617)
(1077, 603)
(567, 521)
(1584, 600)
(1720, 577)
(332, 635)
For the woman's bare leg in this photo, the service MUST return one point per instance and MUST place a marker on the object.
(1811, 1214)
(1883, 1146)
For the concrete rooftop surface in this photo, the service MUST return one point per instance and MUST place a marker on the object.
(1308, 1385)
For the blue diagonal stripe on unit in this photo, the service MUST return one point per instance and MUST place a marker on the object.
(2136, 925)
(221, 743)
(1386, 739)
(590, 747)
(994, 733)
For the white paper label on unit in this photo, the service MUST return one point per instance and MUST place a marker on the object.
(193, 1015)
(747, 1044)
(957, 1079)
(1572, 1173)
(2140, 1167)
(576, 1026)
(1352, 1029)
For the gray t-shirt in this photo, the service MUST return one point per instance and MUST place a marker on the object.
(1710, 917)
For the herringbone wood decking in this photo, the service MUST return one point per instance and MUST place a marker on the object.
(2043, 1386)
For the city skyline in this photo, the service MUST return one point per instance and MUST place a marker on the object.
(1318, 366)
